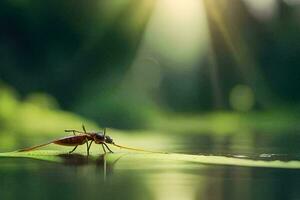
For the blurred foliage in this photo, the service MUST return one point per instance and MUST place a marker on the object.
(37, 118)
(231, 123)
(44, 46)
(36, 115)
(119, 63)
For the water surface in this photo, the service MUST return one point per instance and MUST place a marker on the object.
(80, 178)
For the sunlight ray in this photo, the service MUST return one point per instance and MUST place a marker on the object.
(241, 53)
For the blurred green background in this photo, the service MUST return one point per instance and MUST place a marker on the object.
(217, 77)
(200, 67)
(132, 64)
(142, 64)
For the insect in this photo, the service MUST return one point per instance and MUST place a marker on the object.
(84, 137)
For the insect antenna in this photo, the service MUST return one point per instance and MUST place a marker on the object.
(135, 149)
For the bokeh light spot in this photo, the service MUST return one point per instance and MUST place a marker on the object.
(242, 98)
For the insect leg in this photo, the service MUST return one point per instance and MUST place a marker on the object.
(87, 147)
(73, 131)
(103, 148)
(108, 148)
(83, 127)
(90, 145)
(73, 149)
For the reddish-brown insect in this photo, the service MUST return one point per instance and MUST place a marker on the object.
(83, 137)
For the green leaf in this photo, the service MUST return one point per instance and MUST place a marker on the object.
(60, 156)
(47, 155)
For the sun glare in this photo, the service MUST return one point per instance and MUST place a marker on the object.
(177, 32)
(175, 37)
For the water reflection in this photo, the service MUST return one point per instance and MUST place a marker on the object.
(82, 177)
(75, 159)
(79, 178)
(256, 146)
(99, 164)
(76, 178)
